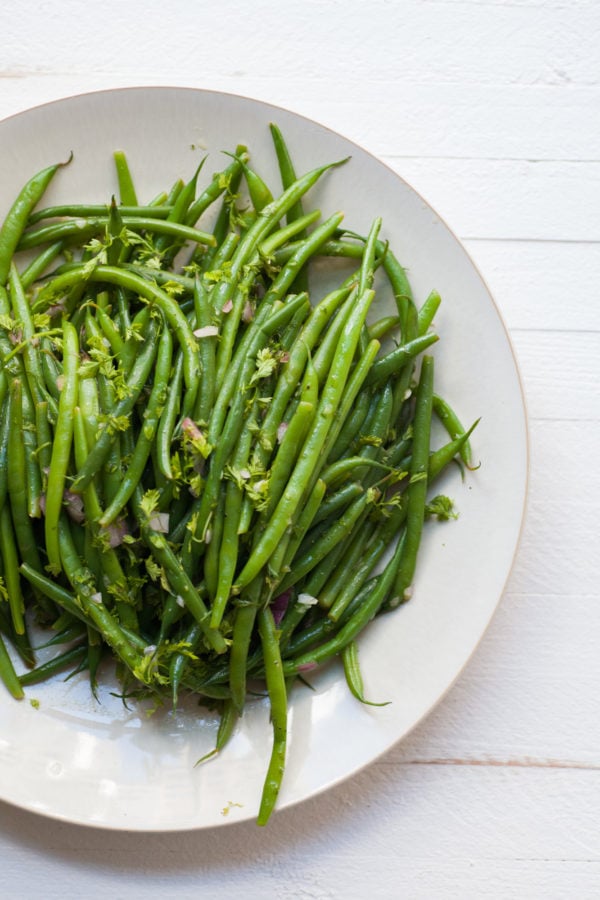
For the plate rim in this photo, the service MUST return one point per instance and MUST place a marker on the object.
(523, 409)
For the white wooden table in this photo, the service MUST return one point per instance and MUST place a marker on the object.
(491, 108)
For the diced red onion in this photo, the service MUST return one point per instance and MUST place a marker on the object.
(279, 606)
(74, 506)
(206, 331)
(160, 522)
(190, 429)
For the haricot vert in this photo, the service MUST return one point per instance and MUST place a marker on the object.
(212, 469)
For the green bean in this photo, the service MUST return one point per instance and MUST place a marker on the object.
(375, 435)
(453, 425)
(174, 192)
(114, 235)
(229, 540)
(172, 612)
(178, 579)
(91, 210)
(72, 631)
(314, 582)
(5, 429)
(83, 585)
(382, 327)
(20, 642)
(10, 566)
(353, 387)
(205, 400)
(400, 287)
(303, 640)
(84, 229)
(278, 700)
(63, 436)
(276, 291)
(294, 369)
(29, 448)
(440, 458)
(169, 308)
(396, 359)
(265, 223)
(367, 267)
(242, 634)
(126, 187)
(288, 177)
(39, 264)
(145, 440)
(417, 487)
(221, 254)
(226, 240)
(111, 333)
(16, 219)
(51, 373)
(122, 408)
(8, 675)
(166, 424)
(225, 440)
(336, 533)
(212, 566)
(341, 592)
(286, 170)
(290, 333)
(243, 463)
(305, 468)
(280, 561)
(109, 571)
(349, 631)
(338, 472)
(46, 670)
(338, 500)
(296, 431)
(427, 312)
(17, 486)
(180, 660)
(53, 591)
(151, 274)
(353, 674)
(22, 314)
(227, 722)
(326, 351)
(134, 331)
(218, 185)
(260, 194)
(326, 582)
(92, 660)
(11, 363)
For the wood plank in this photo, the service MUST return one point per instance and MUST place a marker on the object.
(497, 199)
(399, 830)
(560, 372)
(523, 701)
(542, 285)
(429, 42)
(514, 199)
(535, 122)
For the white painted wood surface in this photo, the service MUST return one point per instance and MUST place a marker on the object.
(491, 108)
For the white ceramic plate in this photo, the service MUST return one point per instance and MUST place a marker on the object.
(104, 765)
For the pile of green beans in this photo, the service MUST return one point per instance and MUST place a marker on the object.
(211, 471)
